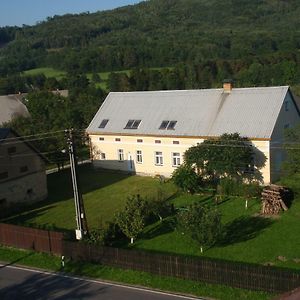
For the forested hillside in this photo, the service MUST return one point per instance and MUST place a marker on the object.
(162, 44)
(156, 33)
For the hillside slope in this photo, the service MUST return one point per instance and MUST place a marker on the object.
(154, 33)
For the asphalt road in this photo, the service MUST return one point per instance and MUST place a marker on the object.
(22, 283)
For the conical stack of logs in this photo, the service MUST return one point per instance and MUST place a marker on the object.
(273, 199)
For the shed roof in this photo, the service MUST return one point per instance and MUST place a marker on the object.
(11, 107)
(252, 112)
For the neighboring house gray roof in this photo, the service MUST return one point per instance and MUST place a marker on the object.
(252, 112)
(11, 107)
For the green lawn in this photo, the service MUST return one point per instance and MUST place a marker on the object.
(48, 72)
(104, 194)
(248, 238)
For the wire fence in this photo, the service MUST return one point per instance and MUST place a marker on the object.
(235, 274)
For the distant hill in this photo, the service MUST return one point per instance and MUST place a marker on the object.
(158, 33)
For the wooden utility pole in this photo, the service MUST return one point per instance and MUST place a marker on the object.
(82, 228)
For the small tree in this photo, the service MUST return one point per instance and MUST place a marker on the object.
(201, 224)
(186, 179)
(132, 219)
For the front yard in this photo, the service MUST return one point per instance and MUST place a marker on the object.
(248, 238)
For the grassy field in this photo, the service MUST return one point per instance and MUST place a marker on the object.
(52, 263)
(104, 194)
(48, 72)
(248, 237)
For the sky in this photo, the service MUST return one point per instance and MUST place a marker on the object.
(29, 12)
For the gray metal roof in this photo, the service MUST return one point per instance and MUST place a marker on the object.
(252, 112)
(10, 107)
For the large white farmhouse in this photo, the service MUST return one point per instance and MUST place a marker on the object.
(148, 132)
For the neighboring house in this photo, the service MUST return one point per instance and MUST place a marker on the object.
(22, 171)
(11, 106)
(148, 132)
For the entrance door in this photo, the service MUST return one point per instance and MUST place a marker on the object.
(130, 162)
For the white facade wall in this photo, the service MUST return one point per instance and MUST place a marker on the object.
(106, 151)
(287, 118)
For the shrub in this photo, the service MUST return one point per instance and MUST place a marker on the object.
(231, 187)
(186, 179)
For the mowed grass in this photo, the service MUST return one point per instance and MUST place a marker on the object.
(48, 72)
(104, 194)
(247, 237)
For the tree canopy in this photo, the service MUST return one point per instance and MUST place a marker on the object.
(212, 38)
(228, 156)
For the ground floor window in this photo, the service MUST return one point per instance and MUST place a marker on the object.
(103, 156)
(120, 154)
(139, 156)
(175, 159)
(158, 158)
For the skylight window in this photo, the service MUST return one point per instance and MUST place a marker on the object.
(103, 123)
(164, 125)
(169, 125)
(132, 124)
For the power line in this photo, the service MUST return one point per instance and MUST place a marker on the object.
(31, 135)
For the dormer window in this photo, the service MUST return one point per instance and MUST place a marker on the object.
(132, 124)
(103, 123)
(169, 125)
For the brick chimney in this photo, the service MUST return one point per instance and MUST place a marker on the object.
(227, 85)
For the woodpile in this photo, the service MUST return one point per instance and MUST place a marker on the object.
(274, 199)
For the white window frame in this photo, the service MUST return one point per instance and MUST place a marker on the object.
(158, 158)
(139, 156)
(120, 154)
(286, 105)
(176, 159)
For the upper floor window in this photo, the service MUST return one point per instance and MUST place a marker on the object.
(11, 150)
(117, 139)
(175, 159)
(132, 124)
(176, 142)
(23, 169)
(103, 123)
(139, 140)
(169, 125)
(157, 141)
(101, 138)
(3, 175)
(286, 106)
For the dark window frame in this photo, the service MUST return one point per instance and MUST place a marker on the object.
(133, 124)
(103, 123)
